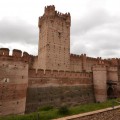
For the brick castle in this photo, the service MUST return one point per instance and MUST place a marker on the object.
(55, 76)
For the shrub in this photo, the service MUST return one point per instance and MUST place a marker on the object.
(45, 108)
(63, 110)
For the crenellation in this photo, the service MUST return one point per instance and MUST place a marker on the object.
(49, 10)
(114, 69)
(4, 52)
(17, 53)
(99, 67)
(48, 73)
(58, 74)
(55, 73)
(40, 73)
(25, 54)
(32, 72)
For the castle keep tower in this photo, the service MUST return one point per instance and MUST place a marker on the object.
(54, 40)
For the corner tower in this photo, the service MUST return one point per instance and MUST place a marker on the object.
(54, 40)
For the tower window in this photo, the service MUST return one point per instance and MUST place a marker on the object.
(59, 34)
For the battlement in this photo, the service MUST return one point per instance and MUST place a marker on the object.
(112, 61)
(101, 67)
(93, 59)
(16, 55)
(58, 74)
(112, 69)
(4, 51)
(50, 12)
(74, 56)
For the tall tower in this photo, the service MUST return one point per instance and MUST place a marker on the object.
(54, 40)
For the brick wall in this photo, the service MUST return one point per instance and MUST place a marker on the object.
(58, 87)
(13, 82)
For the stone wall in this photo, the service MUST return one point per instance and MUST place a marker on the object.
(58, 87)
(105, 114)
(56, 96)
(82, 62)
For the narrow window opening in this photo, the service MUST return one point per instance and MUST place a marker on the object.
(59, 34)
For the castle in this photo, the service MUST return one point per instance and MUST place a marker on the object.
(55, 76)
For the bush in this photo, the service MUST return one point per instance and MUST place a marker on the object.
(45, 108)
(63, 110)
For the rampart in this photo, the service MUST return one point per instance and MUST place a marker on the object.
(13, 81)
(61, 77)
(58, 87)
(16, 55)
(83, 63)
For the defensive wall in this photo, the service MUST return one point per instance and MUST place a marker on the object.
(52, 87)
(13, 81)
(104, 114)
(84, 63)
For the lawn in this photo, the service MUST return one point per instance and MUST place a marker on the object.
(48, 113)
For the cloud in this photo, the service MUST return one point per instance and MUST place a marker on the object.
(89, 21)
(97, 34)
(16, 30)
(18, 34)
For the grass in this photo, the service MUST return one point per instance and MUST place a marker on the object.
(48, 113)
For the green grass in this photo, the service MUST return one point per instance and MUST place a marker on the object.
(49, 113)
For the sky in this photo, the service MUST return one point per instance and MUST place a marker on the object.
(95, 25)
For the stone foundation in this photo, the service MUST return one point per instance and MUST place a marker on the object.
(56, 96)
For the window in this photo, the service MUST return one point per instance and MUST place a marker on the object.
(6, 80)
(59, 34)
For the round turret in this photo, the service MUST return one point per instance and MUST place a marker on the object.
(100, 82)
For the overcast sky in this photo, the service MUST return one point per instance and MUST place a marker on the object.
(95, 27)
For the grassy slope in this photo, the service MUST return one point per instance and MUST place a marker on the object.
(53, 113)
